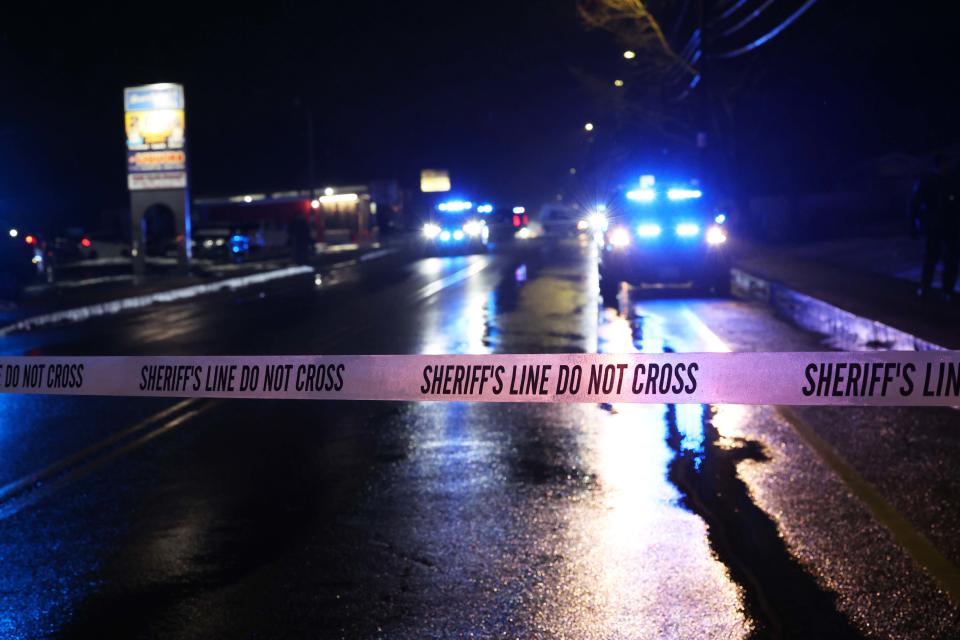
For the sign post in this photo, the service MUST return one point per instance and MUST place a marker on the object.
(157, 173)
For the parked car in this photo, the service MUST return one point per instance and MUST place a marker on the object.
(20, 264)
(220, 244)
(557, 221)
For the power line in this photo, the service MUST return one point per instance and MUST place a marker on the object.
(680, 19)
(730, 11)
(750, 17)
(770, 35)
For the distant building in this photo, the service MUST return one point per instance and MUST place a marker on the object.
(335, 214)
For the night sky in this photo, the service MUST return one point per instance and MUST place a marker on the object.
(483, 89)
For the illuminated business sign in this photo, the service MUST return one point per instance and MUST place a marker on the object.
(155, 129)
(434, 181)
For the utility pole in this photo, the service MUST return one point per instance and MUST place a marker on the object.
(703, 139)
(311, 147)
(311, 153)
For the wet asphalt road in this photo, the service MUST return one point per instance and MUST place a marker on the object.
(297, 519)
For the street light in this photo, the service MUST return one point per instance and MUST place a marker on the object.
(618, 83)
(629, 55)
(588, 126)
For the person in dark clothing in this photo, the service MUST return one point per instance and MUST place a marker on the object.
(935, 211)
(299, 232)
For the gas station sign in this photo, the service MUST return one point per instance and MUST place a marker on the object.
(155, 130)
(434, 181)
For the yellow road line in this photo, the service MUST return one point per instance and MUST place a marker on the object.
(917, 545)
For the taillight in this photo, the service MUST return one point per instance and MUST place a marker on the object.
(85, 242)
(516, 220)
(30, 239)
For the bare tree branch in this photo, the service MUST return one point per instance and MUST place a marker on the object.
(634, 26)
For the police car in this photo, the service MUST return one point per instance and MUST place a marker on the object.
(663, 236)
(457, 226)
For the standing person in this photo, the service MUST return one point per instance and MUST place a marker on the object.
(300, 238)
(935, 210)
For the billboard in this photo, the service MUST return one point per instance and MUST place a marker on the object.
(155, 128)
(434, 180)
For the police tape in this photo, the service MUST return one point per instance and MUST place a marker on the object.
(798, 378)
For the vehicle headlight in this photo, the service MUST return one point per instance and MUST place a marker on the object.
(207, 243)
(444, 235)
(687, 229)
(649, 230)
(619, 237)
(597, 221)
(716, 235)
(431, 231)
(523, 233)
(583, 225)
(474, 228)
(458, 235)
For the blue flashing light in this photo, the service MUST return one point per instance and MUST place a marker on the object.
(649, 230)
(687, 229)
(455, 206)
(642, 195)
(684, 194)
(239, 243)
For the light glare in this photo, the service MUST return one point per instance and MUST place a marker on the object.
(687, 229)
(684, 194)
(340, 197)
(642, 195)
(649, 230)
(715, 236)
(619, 237)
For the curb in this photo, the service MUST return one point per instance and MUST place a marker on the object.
(846, 330)
(111, 307)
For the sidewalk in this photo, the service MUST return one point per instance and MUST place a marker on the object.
(859, 292)
(90, 294)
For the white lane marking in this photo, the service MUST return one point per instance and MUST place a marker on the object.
(437, 286)
(112, 307)
(711, 340)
